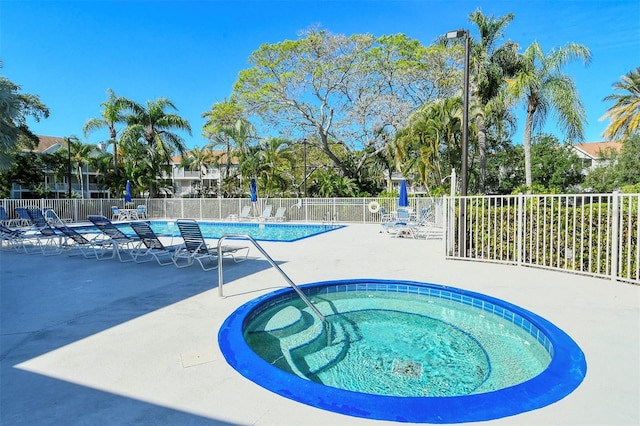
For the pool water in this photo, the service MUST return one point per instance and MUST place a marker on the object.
(397, 344)
(283, 232)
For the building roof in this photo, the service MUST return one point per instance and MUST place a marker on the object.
(593, 149)
(49, 144)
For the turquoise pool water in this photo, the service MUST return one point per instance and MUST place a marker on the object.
(397, 344)
(285, 232)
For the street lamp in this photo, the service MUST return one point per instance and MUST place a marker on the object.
(462, 230)
(69, 163)
(465, 108)
(305, 167)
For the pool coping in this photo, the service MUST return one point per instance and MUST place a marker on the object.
(564, 374)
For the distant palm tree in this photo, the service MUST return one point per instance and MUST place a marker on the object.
(112, 114)
(625, 112)
(80, 157)
(196, 160)
(542, 87)
(490, 64)
(152, 125)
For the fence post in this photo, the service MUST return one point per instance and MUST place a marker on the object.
(520, 230)
(615, 229)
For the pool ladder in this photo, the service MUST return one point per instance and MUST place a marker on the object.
(300, 293)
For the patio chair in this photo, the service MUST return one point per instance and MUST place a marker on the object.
(413, 229)
(142, 211)
(279, 216)
(124, 245)
(196, 248)
(88, 247)
(23, 220)
(47, 239)
(153, 247)
(4, 217)
(266, 213)
(115, 213)
(245, 213)
(16, 239)
(52, 218)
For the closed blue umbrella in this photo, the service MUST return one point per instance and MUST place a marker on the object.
(403, 199)
(254, 191)
(127, 194)
(254, 196)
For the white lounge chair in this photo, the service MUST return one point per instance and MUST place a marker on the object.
(279, 216)
(266, 213)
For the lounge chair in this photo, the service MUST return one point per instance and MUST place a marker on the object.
(4, 217)
(153, 247)
(115, 213)
(16, 239)
(279, 216)
(124, 245)
(52, 218)
(142, 211)
(413, 229)
(88, 247)
(245, 213)
(266, 213)
(47, 239)
(196, 248)
(23, 220)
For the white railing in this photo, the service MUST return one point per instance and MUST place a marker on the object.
(598, 235)
(344, 210)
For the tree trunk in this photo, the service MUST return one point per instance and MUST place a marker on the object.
(482, 151)
(528, 128)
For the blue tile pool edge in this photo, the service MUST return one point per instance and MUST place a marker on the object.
(564, 374)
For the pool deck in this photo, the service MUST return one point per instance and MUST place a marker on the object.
(87, 342)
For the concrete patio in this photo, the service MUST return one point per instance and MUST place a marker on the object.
(87, 342)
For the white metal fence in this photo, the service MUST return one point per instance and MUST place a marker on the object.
(346, 210)
(597, 235)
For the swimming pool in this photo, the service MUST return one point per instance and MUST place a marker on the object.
(470, 382)
(284, 232)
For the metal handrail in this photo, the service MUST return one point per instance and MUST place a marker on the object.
(304, 298)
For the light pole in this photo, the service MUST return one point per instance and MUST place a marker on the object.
(69, 164)
(465, 108)
(462, 230)
(304, 141)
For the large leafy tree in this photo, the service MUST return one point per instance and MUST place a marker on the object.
(154, 127)
(15, 108)
(346, 95)
(490, 64)
(113, 113)
(542, 87)
(625, 111)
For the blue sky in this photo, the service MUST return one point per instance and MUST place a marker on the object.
(70, 52)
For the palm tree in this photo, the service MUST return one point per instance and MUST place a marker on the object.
(112, 114)
(154, 127)
(542, 87)
(625, 112)
(276, 160)
(79, 156)
(227, 128)
(197, 159)
(15, 108)
(489, 64)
